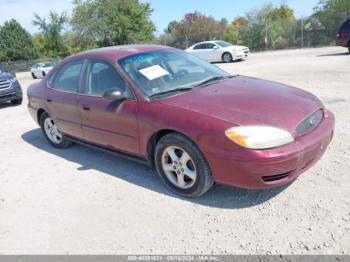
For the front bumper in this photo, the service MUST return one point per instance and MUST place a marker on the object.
(258, 169)
(13, 92)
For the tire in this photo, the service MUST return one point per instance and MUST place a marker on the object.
(63, 142)
(171, 172)
(17, 101)
(349, 47)
(44, 74)
(33, 75)
(227, 58)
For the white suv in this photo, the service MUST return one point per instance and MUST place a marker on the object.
(217, 51)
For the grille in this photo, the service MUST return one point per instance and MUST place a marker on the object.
(310, 122)
(276, 177)
(4, 84)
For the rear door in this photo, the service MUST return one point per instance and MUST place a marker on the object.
(112, 124)
(200, 51)
(62, 98)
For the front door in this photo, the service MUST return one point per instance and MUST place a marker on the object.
(62, 98)
(112, 124)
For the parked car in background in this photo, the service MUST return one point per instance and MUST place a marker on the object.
(219, 51)
(40, 70)
(10, 89)
(194, 122)
(343, 36)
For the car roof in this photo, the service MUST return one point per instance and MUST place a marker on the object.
(117, 52)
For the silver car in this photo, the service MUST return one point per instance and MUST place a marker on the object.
(40, 70)
(219, 51)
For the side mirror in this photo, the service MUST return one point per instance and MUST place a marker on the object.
(215, 47)
(114, 94)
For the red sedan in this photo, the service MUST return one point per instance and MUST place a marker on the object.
(193, 122)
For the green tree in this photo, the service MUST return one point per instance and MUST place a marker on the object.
(235, 31)
(51, 33)
(329, 15)
(99, 23)
(15, 42)
(195, 27)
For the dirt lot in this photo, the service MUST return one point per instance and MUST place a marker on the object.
(80, 201)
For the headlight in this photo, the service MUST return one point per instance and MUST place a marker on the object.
(259, 137)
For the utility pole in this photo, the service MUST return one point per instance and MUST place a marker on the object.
(302, 32)
(266, 37)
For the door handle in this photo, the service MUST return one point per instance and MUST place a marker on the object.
(86, 108)
(49, 100)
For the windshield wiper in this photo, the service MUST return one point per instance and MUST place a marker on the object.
(212, 80)
(172, 91)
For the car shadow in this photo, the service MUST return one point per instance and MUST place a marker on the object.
(335, 54)
(141, 175)
(7, 104)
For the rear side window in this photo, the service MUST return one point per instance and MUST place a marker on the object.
(67, 78)
(102, 77)
(200, 46)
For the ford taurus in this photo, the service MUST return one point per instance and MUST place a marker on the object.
(196, 124)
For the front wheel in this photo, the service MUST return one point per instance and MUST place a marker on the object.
(349, 47)
(51, 132)
(182, 166)
(34, 76)
(227, 58)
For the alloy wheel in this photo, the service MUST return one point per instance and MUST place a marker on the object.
(51, 131)
(179, 167)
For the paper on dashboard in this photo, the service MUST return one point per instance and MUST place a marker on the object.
(154, 72)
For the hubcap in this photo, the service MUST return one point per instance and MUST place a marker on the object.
(227, 58)
(179, 167)
(51, 131)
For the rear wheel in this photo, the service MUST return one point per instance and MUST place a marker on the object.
(51, 132)
(182, 166)
(349, 47)
(227, 58)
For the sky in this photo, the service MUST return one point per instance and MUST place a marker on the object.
(164, 10)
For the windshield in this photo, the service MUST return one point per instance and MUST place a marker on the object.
(48, 65)
(223, 43)
(159, 72)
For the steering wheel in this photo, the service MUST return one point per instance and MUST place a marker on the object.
(182, 73)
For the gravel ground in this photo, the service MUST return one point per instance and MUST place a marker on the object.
(81, 201)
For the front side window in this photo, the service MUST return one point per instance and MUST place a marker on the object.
(210, 46)
(67, 78)
(346, 26)
(102, 77)
(167, 70)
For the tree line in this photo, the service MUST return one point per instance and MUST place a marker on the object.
(100, 23)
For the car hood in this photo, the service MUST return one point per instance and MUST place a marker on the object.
(248, 101)
(4, 76)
